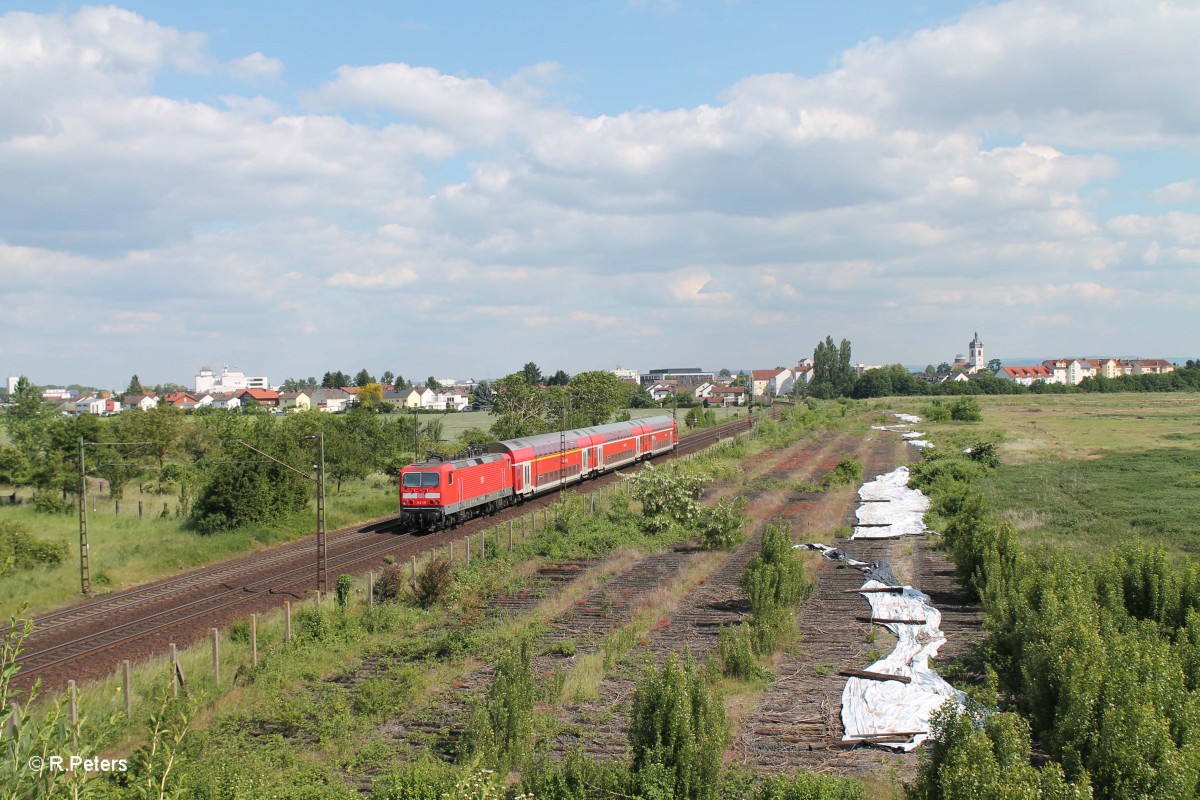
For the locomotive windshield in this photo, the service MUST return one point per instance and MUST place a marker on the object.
(414, 479)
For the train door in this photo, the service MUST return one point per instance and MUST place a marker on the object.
(584, 460)
(525, 485)
(637, 447)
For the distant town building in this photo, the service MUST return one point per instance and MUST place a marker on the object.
(975, 359)
(12, 383)
(626, 374)
(208, 381)
(687, 376)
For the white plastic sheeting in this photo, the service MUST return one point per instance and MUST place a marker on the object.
(880, 708)
(912, 437)
(889, 508)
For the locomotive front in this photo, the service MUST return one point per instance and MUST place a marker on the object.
(421, 488)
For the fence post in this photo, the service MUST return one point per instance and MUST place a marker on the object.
(468, 549)
(216, 656)
(116, 508)
(128, 690)
(592, 503)
(140, 514)
(254, 640)
(452, 552)
(73, 708)
(287, 620)
(174, 670)
(510, 526)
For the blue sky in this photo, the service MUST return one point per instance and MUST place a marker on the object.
(458, 188)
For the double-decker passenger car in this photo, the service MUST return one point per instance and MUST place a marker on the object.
(438, 493)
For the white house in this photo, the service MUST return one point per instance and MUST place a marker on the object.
(227, 400)
(91, 404)
(1026, 376)
(774, 382)
(143, 402)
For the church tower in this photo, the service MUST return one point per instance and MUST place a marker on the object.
(975, 361)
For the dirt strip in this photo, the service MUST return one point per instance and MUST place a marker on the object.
(798, 722)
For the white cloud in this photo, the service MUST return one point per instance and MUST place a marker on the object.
(1173, 193)
(255, 66)
(961, 170)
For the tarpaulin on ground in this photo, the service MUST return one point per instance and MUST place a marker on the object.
(874, 709)
(889, 508)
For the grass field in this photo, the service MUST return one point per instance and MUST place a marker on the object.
(127, 550)
(1091, 471)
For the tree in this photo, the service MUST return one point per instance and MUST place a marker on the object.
(399, 382)
(559, 378)
(640, 397)
(521, 409)
(484, 396)
(594, 396)
(335, 380)
(370, 397)
(531, 374)
(833, 374)
(433, 383)
(135, 386)
(993, 365)
(943, 368)
(387, 378)
(362, 378)
(725, 373)
(160, 427)
(350, 450)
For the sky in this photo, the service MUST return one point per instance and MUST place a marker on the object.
(458, 188)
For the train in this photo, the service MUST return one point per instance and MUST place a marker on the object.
(437, 493)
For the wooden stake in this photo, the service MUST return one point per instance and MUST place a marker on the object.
(510, 527)
(128, 689)
(174, 670)
(73, 710)
(254, 640)
(884, 621)
(874, 676)
(468, 550)
(216, 655)
(287, 620)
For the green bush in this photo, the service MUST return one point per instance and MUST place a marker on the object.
(736, 646)
(26, 550)
(502, 730)
(721, 524)
(342, 591)
(775, 584)
(433, 583)
(848, 472)
(677, 732)
(965, 409)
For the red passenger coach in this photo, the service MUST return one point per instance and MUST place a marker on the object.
(551, 460)
(436, 493)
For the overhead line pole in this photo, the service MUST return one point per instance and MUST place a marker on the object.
(319, 479)
(85, 569)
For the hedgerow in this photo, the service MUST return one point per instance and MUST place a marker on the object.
(1101, 658)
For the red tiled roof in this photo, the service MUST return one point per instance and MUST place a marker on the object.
(1028, 372)
(260, 394)
(765, 374)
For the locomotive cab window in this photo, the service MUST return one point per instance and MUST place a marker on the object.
(412, 479)
(429, 479)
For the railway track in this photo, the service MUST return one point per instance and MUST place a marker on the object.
(91, 638)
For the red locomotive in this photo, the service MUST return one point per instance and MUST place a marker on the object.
(439, 493)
